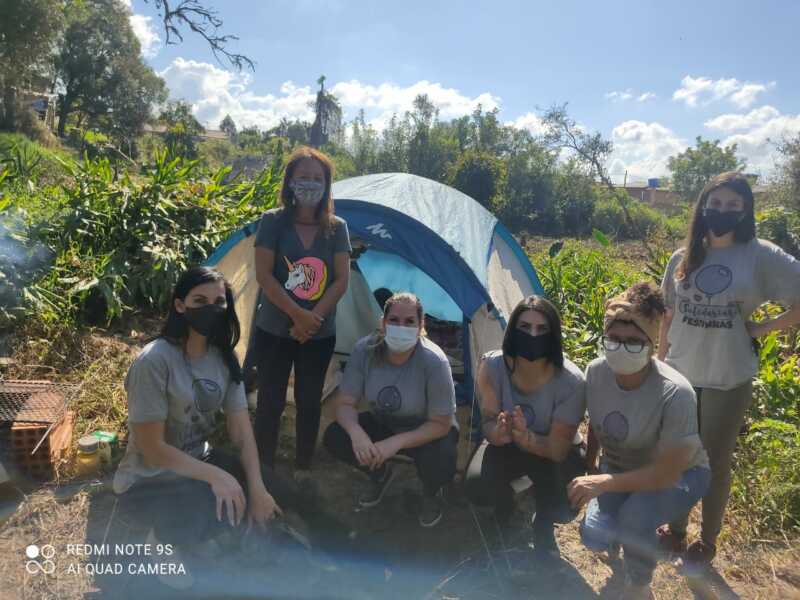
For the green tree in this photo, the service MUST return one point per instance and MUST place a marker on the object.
(29, 30)
(692, 169)
(789, 172)
(529, 189)
(228, 126)
(101, 72)
(182, 129)
(480, 175)
(364, 146)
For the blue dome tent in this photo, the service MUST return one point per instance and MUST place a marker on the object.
(412, 234)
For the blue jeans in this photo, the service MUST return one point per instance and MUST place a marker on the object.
(631, 519)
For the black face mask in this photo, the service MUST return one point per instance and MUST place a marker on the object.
(205, 320)
(722, 222)
(530, 347)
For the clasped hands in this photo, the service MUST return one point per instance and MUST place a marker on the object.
(512, 427)
(305, 325)
(373, 455)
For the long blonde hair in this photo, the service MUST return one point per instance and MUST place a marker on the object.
(376, 345)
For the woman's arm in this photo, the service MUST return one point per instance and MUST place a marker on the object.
(491, 415)
(347, 417)
(592, 450)
(663, 343)
(554, 445)
(665, 471)
(337, 287)
(437, 426)
(262, 506)
(157, 453)
(784, 321)
(274, 291)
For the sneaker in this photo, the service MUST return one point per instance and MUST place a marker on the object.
(374, 495)
(544, 543)
(181, 580)
(700, 552)
(670, 542)
(431, 511)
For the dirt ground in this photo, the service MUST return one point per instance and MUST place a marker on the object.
(464, 557)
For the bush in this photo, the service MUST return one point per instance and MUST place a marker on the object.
(766, 478)
(609, 217)
(782, 227)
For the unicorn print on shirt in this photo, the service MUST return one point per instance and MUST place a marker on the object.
(307, 277)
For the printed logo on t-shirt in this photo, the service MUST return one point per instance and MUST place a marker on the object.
(389, 400)
(615, 427)
(207, 395)
(528, 413)
(698, 307)
(307, 277)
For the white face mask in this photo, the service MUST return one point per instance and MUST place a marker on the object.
(401, 339)
(623, 362)
(307, 193)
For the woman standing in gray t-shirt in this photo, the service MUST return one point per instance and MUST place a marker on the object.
(302, 259)
(532, 400)
(711, 287)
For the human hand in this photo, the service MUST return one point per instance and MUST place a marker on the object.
(307, 322)
(502, 429)
(518, 421)
(261, 508)
(299, 335)
(582, 489)
(387, 449)
(229, 494)
(366, 452)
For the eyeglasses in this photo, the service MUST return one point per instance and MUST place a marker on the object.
(634, 347)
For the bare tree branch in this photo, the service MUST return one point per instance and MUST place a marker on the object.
(203, 21)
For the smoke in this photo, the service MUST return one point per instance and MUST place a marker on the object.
(21, 261)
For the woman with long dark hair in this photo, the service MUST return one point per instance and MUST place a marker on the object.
(302, 259)
(171, 478)
(406, 381)
(532, 399)
(712, 286)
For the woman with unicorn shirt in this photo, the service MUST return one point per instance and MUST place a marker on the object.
(302, 253)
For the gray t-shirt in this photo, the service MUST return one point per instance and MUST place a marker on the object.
(164, 385)
(402, 397)
(634, 426)
(563, 398)
(304, 273)
(709, 343)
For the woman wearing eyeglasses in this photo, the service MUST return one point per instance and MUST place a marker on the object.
(644, 415)
(712, 286)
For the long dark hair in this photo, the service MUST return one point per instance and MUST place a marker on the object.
(544, 307)
(176, 328)
(696, 240)
(324, 212)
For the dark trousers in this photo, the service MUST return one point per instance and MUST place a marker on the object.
(435, 461)
(275, 356)
(493, 468)
(183, 511)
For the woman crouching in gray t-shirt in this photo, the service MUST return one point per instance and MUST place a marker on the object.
(406, 381)
(532, 400)
(644, 415)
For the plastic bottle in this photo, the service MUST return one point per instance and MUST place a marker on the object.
(107, 441)
(88, 455)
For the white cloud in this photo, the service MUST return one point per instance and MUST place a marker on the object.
(629, 94)
(696, 91)
(144, 29)
(642, 149)
(382, 101)
(215, 92)
(148, 36)
(756, 134)
(531, 122)
(737, 122)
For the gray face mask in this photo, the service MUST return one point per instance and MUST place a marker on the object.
(307, 193)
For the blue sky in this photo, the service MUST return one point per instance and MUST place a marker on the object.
(649, 75)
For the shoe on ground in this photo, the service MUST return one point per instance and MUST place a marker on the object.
(431, 511)
(177, 581)
(377, 489)
(700, 552)
(670, 542)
